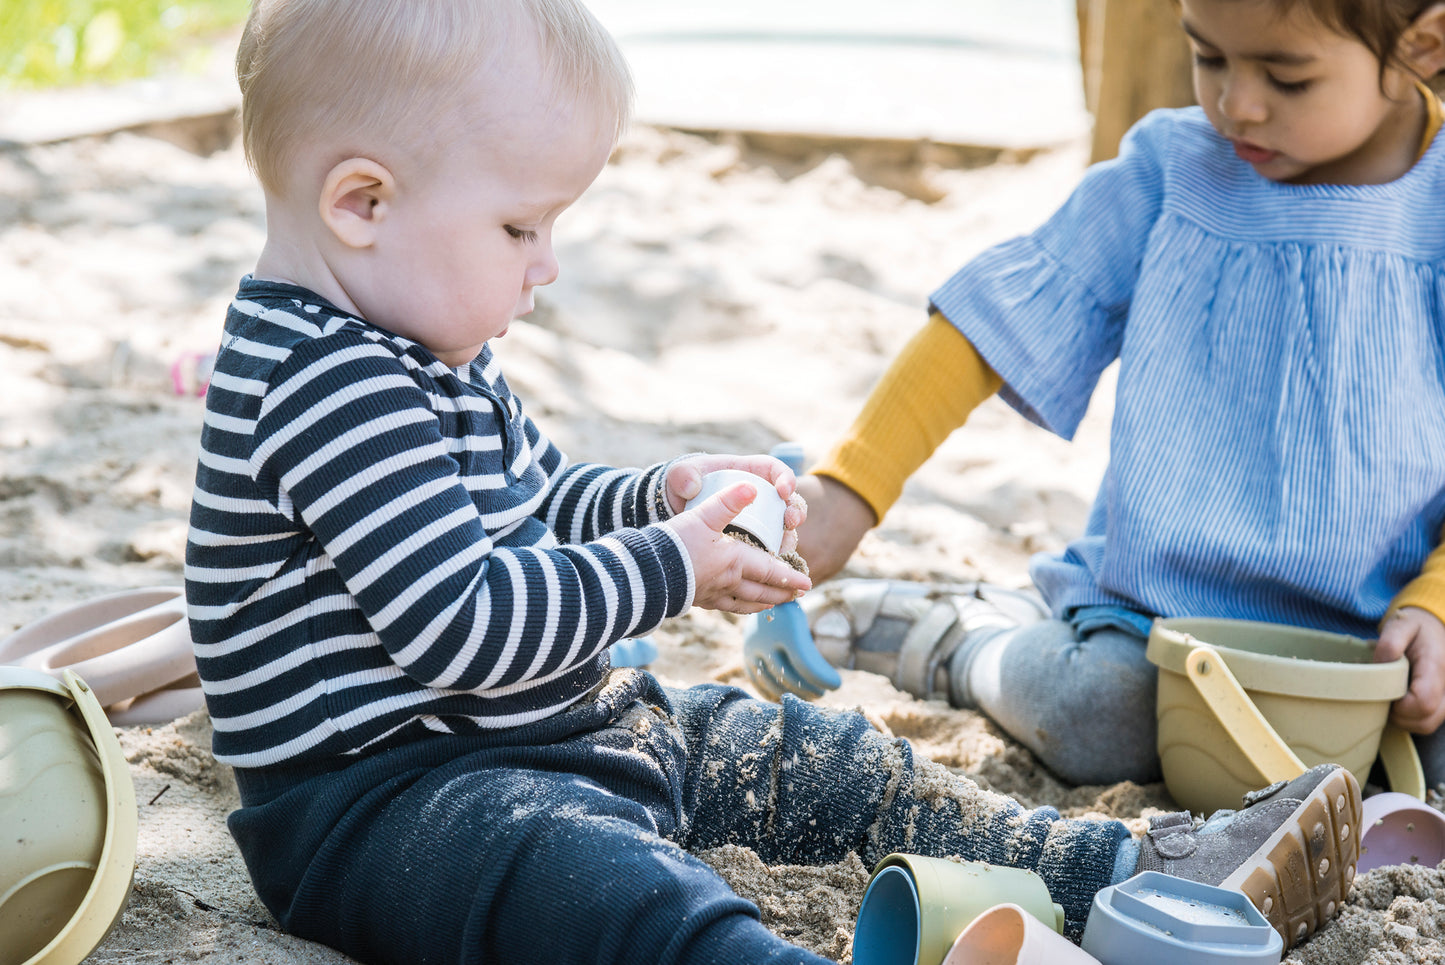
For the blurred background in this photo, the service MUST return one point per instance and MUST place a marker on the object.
(1011, 74)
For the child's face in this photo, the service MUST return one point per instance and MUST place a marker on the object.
(469, 242)
(1300, 102)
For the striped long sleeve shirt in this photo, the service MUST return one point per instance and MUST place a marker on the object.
(1277, 450)
(382, 546)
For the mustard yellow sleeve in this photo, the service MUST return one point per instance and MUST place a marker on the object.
(928, 391)
(1426, 591)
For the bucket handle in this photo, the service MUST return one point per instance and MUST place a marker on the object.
(1246, 726)
(1263, 746)
(1402, 762)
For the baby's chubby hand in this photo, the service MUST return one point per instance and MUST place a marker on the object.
(730, 574)
(684, 481)
(1419, 636)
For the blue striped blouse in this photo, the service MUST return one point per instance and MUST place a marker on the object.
(1277, 448)
(374, 549)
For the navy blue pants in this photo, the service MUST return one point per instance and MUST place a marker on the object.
(566, 841)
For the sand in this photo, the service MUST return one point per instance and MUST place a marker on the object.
(714, 295)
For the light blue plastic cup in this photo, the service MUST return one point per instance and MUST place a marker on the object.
(1154, 918)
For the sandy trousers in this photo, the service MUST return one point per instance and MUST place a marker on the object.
(567, 840)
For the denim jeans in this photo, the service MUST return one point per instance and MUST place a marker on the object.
(568, 840)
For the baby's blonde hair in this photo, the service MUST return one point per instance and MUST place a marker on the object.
(366, 76)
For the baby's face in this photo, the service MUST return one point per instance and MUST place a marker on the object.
(466, 246)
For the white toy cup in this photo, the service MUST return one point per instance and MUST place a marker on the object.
(762, 518)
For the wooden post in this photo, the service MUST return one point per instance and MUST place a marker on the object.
(1135, 58)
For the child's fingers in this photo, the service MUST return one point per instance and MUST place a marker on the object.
(684, 480)
(772, 469)
(773, 577)
(1395, 637)
(751, 597)
(1418, 712)
(795, 513)
(765, 594)
(721, 509)
(1422, 709)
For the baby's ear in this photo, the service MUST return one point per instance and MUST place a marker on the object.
(1422, 46)
(355, 198)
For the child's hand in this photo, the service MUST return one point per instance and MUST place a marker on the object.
(729, 574)
(1420, 637)
(684, 481)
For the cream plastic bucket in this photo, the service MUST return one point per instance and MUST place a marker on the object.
(68, 810)
(1243, 704)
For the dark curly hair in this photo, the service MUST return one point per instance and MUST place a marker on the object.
(1378, 24)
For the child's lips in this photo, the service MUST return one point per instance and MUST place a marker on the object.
(1253, 153)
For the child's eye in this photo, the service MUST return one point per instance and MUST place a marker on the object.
(1208, 61)
(521, 234)
(1290, 86)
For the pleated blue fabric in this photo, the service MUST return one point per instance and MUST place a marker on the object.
(1278, 439)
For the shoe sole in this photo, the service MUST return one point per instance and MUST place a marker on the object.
(1300, 877)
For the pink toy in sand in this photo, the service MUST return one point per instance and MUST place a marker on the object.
(1400, 829)
(132, 648)
(1008, 935)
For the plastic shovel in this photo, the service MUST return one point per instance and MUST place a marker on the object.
(780, 657)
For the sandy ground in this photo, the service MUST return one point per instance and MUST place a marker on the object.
(714, 295)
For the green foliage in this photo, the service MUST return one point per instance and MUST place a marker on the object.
(50, 42)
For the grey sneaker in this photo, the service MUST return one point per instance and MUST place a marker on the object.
(1292, 849)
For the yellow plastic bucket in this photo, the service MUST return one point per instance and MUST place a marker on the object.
(68, 811)
(1244, 704)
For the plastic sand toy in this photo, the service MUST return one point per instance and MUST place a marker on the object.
(133, 649)
(68, 808)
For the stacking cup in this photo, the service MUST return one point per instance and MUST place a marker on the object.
(762, 518)
(915, 907)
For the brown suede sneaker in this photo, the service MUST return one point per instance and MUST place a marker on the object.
(1291, 849)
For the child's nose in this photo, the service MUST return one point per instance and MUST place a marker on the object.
(1240, 100)
(544, 268)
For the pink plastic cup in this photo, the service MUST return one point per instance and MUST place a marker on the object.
(1399, 829)
(1008, 935)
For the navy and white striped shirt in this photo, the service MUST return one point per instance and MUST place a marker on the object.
(374, 549)
(1278, 442)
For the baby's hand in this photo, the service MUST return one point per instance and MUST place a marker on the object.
(1420, 637)
(684, 481)
(729, 574)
